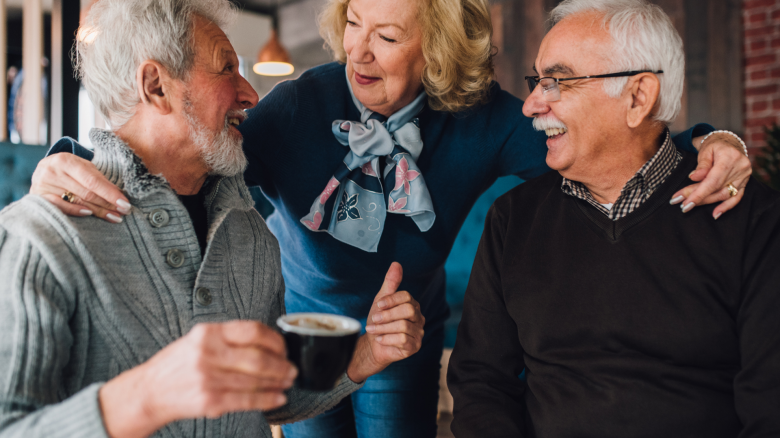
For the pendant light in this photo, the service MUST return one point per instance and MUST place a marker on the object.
(273, 59)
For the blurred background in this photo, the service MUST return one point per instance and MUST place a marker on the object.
(732, 80)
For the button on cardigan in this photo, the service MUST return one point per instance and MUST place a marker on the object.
(82, 300)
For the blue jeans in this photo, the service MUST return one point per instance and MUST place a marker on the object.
(399, 402)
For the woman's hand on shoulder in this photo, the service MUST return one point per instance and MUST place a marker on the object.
(394, 329)
(722, 161)
(93, 194)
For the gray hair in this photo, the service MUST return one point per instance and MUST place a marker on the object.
(644, 38)
(119, 35)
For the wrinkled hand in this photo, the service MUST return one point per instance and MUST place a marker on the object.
(58, 173)
(721, 161)
(213, 370)
(394, 329)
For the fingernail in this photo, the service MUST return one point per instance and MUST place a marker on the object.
(691, 174)
(677, 200)
(379, 338)
(280, 399)
(382, 304)
(377, 317)
(717, 215)
(114, 218)
(121, 203)
(293, 372)
(85, 212)
(371, 328)
(686, 208)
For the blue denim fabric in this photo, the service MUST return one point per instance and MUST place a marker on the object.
(399, 402)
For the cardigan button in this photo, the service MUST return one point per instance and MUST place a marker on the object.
(175, 258)
(203, 296)
(159, 218)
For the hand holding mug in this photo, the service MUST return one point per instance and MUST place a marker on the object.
(394, 329)
(214, 369)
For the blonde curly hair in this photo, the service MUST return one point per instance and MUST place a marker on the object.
(456, 45)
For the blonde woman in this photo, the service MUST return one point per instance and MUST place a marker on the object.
(378, 158)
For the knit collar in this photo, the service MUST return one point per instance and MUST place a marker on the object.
(123, 168)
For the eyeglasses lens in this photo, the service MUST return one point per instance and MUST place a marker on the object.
(550, 89)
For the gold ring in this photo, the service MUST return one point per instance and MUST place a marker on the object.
(68, 197)
(732, 190)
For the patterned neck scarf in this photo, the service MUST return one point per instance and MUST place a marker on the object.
(357, 214)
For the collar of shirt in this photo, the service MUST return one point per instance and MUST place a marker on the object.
(636, 191)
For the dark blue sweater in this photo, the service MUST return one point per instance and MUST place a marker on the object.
(293, 153)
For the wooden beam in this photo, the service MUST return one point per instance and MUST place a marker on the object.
(32, 54)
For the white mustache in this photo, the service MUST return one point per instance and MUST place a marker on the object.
(548, 122)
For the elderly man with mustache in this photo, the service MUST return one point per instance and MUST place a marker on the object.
(596, 309)
(160, 325)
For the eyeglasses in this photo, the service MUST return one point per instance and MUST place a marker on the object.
(552, 93)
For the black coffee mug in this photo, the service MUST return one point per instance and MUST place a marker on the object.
(320, 345)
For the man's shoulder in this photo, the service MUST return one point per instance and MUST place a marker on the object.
(761, 199)
(30, 214)
(530, 194)
(35, 223)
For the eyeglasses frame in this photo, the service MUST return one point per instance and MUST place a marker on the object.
(537, 80)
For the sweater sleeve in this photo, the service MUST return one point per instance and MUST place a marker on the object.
(757, 384)
(34, 350)
(487, 359)
(684, 140)
(303, 404)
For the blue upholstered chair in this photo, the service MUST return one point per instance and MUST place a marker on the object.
(17, 163)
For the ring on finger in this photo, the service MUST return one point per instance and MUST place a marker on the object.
(68, 197)
(733, 191)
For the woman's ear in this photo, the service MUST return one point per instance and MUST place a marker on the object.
(645, 88)
(152, 82)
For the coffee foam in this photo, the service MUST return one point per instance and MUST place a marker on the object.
(342, 325)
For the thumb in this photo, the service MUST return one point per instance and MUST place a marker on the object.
(392, 280)
(706, 161)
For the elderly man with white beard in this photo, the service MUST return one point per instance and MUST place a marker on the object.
(160, 325)
(595, 309)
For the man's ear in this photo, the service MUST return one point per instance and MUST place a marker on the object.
(644, 89)
(153, 85)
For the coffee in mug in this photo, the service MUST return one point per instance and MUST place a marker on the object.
(320, 345)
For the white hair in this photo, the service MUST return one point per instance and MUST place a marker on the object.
(643, 38)
(119, 35)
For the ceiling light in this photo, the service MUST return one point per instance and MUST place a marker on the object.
(273, 59)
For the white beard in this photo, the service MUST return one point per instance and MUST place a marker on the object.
(223, 152)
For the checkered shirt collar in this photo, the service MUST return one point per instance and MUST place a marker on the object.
(638, 188)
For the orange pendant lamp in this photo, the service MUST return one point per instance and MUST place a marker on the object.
(273, 59)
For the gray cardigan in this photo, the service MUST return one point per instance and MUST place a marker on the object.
(82, 300)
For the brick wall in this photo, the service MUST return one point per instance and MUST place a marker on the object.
(762, 68)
